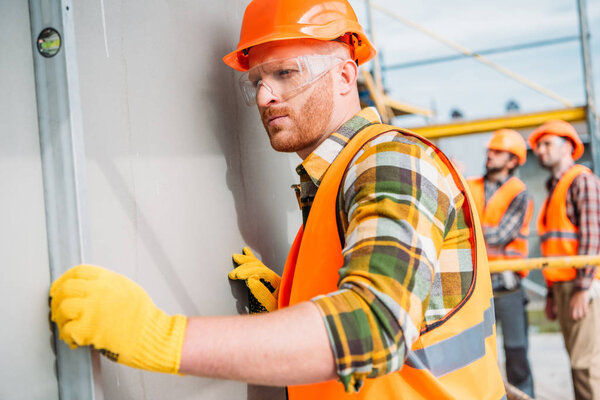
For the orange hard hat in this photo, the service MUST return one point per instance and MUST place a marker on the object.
(561, 128)
(511, 141)
(271, 20)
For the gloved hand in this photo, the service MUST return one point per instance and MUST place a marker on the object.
(94, 306)
(262, 282)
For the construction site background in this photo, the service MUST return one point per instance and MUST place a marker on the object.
(178, 174)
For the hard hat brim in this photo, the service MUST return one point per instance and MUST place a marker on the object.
(578, 147)
(238, 61)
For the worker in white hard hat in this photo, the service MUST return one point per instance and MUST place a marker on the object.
(386, 291)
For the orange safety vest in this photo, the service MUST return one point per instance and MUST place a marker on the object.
(492, 213)
(559, 237)
(455, 358)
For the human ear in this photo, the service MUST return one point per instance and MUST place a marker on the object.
(513, 162)
(347, 77)
(570, 148)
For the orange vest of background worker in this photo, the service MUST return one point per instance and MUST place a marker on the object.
(568, 226)
(455, 360)
(505, 213)
(558, 235)
(491, 215)
(493, 209)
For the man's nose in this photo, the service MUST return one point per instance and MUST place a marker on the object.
(265, 95)
(539, 149)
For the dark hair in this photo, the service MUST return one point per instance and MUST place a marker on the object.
(513, 169)
(568, 139)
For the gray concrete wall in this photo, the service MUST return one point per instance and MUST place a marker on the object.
(180, 172)
(27, 363)
(180, 176)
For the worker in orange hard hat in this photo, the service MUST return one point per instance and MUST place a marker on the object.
(505, 210)
(568, 225)
(268, 21)
(386, 291)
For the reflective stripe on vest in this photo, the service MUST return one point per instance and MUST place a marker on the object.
(456, 351)
(557, 234)
(312, 269)
(491, 215)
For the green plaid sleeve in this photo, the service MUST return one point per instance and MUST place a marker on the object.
(398, 206)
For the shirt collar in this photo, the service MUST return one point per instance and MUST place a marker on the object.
(496, 183)
(317, 162)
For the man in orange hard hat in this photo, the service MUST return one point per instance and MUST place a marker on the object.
(505, 211)
(568, 225)
(386, 289)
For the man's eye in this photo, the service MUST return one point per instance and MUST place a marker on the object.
(253, 79)
(286, 73)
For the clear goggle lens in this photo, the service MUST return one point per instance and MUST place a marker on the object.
(284, 78)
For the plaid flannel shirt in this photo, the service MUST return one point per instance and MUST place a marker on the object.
(407, 255)
(583, 210)
(512, 220)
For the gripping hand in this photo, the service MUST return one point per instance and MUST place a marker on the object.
(262, 282)
(94, 306)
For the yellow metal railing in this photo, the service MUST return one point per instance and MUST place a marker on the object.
(543, 263)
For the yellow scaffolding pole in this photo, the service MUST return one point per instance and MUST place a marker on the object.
(387, 107)
(513, 121)
(377, 96)
(401, 108)
(527, 264)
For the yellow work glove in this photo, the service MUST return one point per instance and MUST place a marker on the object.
(262, 282)
(94, 306)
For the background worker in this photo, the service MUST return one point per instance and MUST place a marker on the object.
(568, 225)
(392, 301)
(505, 211)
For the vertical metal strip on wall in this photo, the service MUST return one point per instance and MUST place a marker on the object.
(63, 162)
(588, 81)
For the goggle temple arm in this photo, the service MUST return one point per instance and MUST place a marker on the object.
(352, 40)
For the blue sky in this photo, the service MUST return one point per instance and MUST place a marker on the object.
(474, 88)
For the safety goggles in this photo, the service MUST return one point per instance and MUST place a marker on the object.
(285, 78)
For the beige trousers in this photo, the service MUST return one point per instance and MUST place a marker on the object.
(582, 340)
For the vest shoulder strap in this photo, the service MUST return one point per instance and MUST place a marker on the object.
(476, 185)
(500, 201)
(556, 202)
